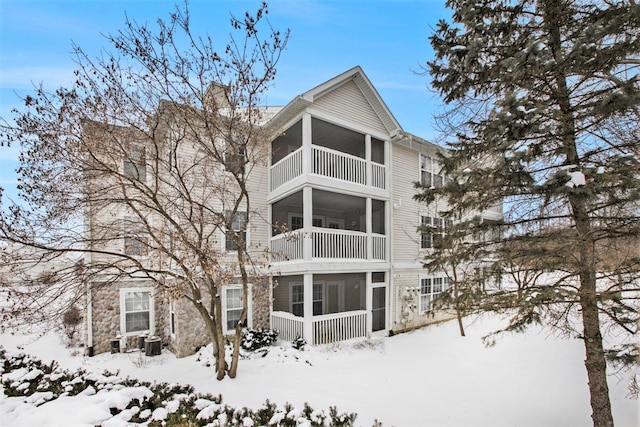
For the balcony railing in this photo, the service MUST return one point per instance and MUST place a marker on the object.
(326, 328)
(286, 169)
(329, 163)
(328, 244)
(289, 325)
(336, 327)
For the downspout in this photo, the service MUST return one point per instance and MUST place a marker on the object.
(390, 281)
(87, 262)
(89, 320)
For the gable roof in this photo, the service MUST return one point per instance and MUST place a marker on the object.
(363, 84)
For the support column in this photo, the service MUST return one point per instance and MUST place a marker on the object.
(369, 228)
(367, 157)
(307, 222)
(307, 328)
(369, 302)
(307, 154)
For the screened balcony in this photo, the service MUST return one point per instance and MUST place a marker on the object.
(338, 308)
(332, 152)
(342, 227)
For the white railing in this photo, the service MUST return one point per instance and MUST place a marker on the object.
(327, 243)
(286, 169)
(335, 327)
(330, 163)
(289, 325)
(286, 246)
(341, 244)
(379, 242)
(377, 175)
(338, 165)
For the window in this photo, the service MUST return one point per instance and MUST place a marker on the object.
(430, 289)
(296, 221)
(135, 165)
(136, 308)
(172, 318)
(318, 293)
(432, 231)
(136, 240)
(234, 157)
(233, 307)
(297, 300)
(430, 172)
(236, 237)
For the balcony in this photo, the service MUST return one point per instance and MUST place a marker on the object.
(328, 163)
(326, 328)
(328, 244)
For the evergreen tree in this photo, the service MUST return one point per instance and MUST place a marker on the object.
(543, 109)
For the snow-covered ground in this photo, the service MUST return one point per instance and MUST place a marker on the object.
(429, 377)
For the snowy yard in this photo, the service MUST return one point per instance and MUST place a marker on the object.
(429, 377)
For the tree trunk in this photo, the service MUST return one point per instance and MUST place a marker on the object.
(595, 362)
(456, 295)
(221, 363)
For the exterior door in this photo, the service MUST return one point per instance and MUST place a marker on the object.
(378, 308)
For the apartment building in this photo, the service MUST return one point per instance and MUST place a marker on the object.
(334, 208)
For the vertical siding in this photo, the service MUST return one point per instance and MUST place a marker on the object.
(348, 103)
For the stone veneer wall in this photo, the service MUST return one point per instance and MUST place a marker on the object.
(105, 307)
(191, 332)
(261, 299)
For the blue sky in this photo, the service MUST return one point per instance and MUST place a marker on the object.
(387, 38)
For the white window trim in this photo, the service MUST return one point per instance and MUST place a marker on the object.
(291, 285)
(123, 317)
(291, 215)
(173, 318)
(249, 320)
(432, 277)
(247, 240)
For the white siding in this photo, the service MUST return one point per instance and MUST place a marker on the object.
(348, 103)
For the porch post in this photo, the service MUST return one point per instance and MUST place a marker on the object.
(367, 157)
(307, 221)
(368, 302)
(307, 327)
(307, 155)
(369, 229)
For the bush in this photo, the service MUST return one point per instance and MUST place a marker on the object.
(299, 343)
(183, 407)
(70, 322)
(254, 339)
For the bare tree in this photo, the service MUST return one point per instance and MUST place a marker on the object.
(157, 144)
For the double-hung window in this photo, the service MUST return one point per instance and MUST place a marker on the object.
(430, 172)
(236, 236)
(430, 289)
(136, 240)
(137, 310)
(233, 307)
(432, 231)
(135, 163)
(235, 157)
(297, 300)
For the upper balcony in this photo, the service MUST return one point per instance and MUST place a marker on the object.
(350, 159)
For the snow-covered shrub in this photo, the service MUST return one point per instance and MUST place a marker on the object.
(253, 339)
(299, 343)
(132, 401)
